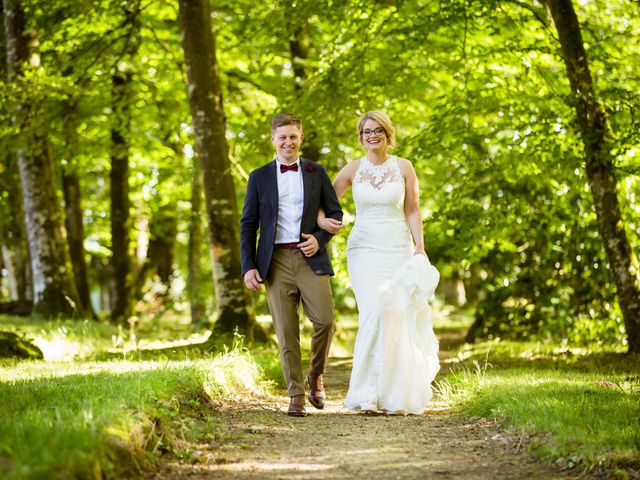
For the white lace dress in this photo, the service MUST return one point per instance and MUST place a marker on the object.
(396, 352)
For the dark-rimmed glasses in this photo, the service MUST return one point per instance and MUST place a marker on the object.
(377, 131)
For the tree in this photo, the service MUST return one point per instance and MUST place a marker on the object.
(160, 252)
(592, 122)
(207, 112)
(299, 44)
(13, 242)
(73, 209)
(53, 286)
(121, 100)
(195, 275)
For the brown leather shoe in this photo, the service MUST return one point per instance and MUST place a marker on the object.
(316, 390)
(296, 407)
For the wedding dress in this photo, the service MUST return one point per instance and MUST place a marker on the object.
(396, 352)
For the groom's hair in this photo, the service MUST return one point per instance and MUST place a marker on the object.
(285, 118)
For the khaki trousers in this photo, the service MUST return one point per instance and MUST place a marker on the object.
(290, 281)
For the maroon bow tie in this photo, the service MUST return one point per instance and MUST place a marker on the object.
(286, 168)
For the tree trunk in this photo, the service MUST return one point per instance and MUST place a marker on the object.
(15, 250)
(101, 268)
(453, 290)
(12, 229)
(163, 227)
(121, 99)
(73, 217)
(205, 99)
(75, 232)
(120, 205)
(4, 296)
(592, 121)
(299, 48)
(162, 244)
(53, 286)
(8, 266)
(160, 258)
(195, 278)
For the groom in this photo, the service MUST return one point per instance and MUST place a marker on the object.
(282, 202)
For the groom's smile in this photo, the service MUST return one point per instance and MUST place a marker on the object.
(287, 140)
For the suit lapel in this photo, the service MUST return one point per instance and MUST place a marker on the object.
(272, 180)
(306, 183)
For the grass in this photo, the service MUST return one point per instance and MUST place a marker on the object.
(581, 409)
(63, 339)
(111, 419)
(66, 340)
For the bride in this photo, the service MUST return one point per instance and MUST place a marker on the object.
(396, 352)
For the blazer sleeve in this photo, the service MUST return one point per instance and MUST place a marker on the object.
(330, 205)
(249, 225)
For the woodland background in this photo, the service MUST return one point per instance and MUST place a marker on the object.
(127, 132)
(128, 128)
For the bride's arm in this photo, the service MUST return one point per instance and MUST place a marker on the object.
(412, 206)
(328, 224)
(344, 179)
(341, 184)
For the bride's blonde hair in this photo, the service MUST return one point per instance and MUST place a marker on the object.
(384, 121)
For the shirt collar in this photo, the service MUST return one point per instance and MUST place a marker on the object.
(278, 162)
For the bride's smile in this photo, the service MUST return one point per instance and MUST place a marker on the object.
(375, 139)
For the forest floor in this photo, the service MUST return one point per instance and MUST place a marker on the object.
(255, 439)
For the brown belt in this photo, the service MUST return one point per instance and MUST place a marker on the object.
(288, 246)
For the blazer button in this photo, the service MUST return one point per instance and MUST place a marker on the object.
(319, 272)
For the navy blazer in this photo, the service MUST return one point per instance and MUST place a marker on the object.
(260, 212)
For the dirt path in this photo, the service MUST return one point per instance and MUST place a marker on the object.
(257, 440)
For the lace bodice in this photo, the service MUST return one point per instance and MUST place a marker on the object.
(378, 175)
(378, 193)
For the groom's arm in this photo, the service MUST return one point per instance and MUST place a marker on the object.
(330, 205)
(249, 224)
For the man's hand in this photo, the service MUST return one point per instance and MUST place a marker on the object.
(330, 225)
(310, 246)
(252, 280)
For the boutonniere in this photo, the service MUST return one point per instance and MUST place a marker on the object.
(309, 168)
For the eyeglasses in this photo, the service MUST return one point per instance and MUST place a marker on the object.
(377, 131)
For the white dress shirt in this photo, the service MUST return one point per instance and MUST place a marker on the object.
(290, 204)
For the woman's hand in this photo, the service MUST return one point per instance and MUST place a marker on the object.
(330, 225)
(419, 251)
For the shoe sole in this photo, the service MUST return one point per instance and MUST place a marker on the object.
(312, 402)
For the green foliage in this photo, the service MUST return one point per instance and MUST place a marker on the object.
(577, 407)
(477, 89)
(480, 97)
